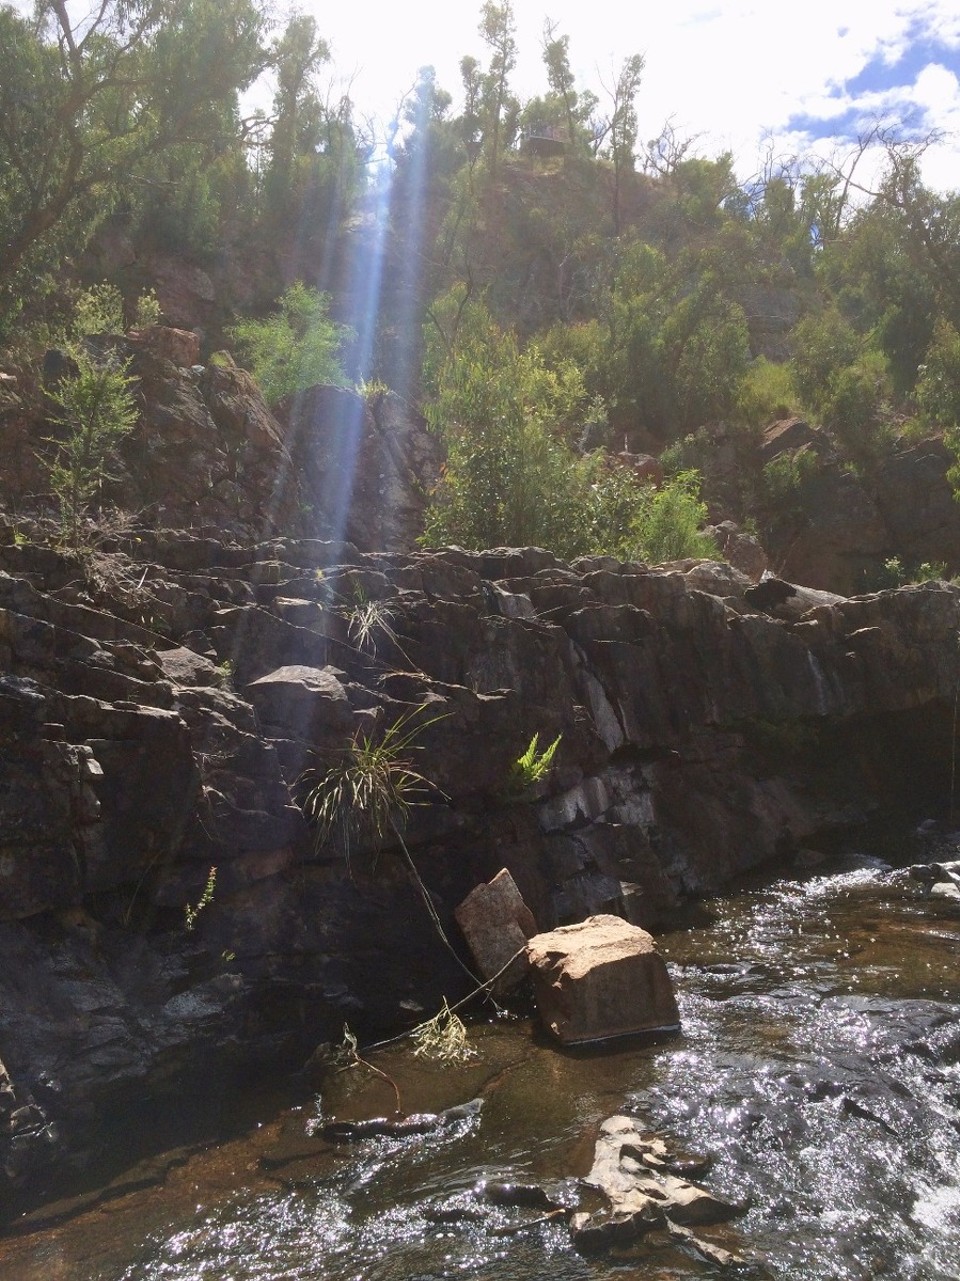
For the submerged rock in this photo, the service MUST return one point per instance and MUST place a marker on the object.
(399, 1127)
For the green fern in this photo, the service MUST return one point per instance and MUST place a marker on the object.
(533, 766)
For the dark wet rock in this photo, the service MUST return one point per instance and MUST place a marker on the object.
(592, 1233)
(530, 1195)
(708, 1250)
(297, 701)
(399, 1127)
(939, 880)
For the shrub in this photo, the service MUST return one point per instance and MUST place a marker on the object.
(99, 310)
(938, 384)
(368, 791)
(766, 393)
(295, 347)
(95, 407)
(669, 523)
(511, 477)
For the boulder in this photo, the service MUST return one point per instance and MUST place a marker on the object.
(496, 924)
(302, 700)
(180, 346)
(740, 549)
(601, 978)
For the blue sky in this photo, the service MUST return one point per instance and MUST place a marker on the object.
(750, 77)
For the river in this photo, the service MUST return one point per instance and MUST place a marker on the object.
(818, 1065)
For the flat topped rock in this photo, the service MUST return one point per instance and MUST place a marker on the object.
(301, 699)
(599, 979)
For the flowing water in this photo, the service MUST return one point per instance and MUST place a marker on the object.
(819, 1065)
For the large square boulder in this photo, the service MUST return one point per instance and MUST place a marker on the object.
(599, 979)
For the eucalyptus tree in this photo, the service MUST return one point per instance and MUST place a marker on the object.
(500, 109)
(621, 127)
(89, 100)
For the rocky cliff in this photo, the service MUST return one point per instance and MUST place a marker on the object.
(207, 453)
(160, 702)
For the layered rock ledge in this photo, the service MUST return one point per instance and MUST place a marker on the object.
(159, 703)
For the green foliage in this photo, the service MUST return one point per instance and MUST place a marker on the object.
(621, 129)
(512, 477)
(504, 417)
(368, 791)
(938, 384)
(295, 347)
(192, 910)
(91, 103)
(99, 310)
(766, 393)
(676, 348)
(95, 408)
(225, 673)
(668, 525)
(315, 153)
(372, 390)
(532, 766)
(845, 381)
(785, 483)
(148, 310)
(897, 574)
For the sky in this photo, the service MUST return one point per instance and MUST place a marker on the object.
(761, 78)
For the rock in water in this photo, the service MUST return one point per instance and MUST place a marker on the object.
(599, 979)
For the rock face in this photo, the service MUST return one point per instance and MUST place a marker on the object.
(207, 451)
(600, 979)
(825, 523)
(160, 703)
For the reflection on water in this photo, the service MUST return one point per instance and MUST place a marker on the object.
(818, 1064)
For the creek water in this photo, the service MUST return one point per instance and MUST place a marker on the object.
(818, 1065)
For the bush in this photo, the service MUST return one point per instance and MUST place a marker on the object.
(766, 393)
(505, 418)
(511, 477)
(99, 310)
(938, 384)
(95, 407)
(295, 347)
(669, 523)
(846, 382)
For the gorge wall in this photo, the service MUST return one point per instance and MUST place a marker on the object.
(161, 701)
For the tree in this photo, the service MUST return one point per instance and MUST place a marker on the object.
(620, 128)
(295, 347)
(497, 29)
(297, 55)
(88, 103)
(563, 109)
(94, 409)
